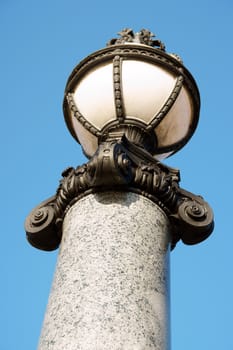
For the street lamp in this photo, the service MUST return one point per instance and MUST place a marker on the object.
(134, 89)
(129, 105)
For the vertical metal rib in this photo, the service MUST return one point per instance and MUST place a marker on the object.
(117, 84)
(167, 105)
(80, 118)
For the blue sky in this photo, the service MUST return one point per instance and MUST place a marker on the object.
(41, 42)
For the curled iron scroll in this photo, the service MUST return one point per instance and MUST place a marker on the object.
(196, 220)
(40, 226)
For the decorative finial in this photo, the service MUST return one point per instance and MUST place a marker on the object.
(144, 37)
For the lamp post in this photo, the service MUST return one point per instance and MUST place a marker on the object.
(117, 217)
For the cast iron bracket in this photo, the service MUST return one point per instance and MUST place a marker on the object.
(120, 165)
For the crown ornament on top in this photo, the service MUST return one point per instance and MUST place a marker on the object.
(144, 37)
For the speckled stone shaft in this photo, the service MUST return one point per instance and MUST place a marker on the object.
(111, 286)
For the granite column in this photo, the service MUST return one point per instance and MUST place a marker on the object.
(111, 286)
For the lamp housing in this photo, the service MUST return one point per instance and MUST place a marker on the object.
(134, 89)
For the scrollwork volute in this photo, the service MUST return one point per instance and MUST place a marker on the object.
(120, 165)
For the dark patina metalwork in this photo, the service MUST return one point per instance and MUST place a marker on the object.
(144, 37)
(120, 165)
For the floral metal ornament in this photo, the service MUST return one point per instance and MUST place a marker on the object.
(144, 37)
